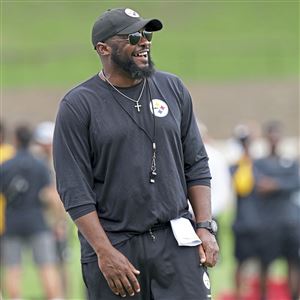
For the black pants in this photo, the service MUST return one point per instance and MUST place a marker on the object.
(168, 272)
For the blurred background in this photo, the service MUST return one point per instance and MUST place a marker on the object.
(239, 59)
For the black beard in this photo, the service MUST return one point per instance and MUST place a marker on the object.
(130, 67)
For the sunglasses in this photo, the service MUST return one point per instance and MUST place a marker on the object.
(134, 38)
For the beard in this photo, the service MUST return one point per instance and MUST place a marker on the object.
(129, 66)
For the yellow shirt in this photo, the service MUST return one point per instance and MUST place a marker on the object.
(6, 152)
(243, 178)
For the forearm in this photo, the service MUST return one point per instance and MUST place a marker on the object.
(199, 197)
(90, 227)
(289, 184)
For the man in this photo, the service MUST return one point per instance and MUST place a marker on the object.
(56, 215)
(22, 180)
(276, 180)
(128, 154)
(246, 224)
(7, 151)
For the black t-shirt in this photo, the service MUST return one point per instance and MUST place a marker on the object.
(22, 179)
(277, 208)
(103, 153)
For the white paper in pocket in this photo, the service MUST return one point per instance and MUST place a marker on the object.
(184, 232)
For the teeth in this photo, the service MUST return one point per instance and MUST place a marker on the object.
(141, 54)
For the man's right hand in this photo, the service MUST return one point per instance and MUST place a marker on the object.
(119, 273)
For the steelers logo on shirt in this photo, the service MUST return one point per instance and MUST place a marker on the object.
(161, 108)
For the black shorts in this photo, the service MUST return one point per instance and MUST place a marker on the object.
(168, 272)
(246, 246)
(279, 242)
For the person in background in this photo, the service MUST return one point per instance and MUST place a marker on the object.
(55, 213)
(246, 221)
(128, 155)
(7, 151)
(276, 181)
(296, 202)
(22, 180)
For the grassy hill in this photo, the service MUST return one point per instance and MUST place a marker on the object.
(47, 43)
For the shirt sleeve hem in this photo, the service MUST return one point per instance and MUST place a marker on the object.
(79, 211)
(205, 182)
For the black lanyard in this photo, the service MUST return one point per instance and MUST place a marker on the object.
(153, 169)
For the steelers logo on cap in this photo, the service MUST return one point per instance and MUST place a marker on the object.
(161, 108)
(131, 13)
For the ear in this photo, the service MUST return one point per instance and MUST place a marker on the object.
(103, 49)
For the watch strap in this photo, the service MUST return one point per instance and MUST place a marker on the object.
(207, 225)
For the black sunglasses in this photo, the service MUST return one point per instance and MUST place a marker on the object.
(134, 38)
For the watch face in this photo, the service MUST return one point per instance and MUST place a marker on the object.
(214, 226)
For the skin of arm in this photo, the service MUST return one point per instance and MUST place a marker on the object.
(119, 273)
(199, 197)
(267, 185)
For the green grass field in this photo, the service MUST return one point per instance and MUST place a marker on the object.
(47, 43)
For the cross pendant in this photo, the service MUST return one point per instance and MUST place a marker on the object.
(137, 106)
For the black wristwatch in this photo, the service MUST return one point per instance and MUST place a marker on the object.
(211, 226)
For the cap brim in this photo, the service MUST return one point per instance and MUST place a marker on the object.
(149, 25)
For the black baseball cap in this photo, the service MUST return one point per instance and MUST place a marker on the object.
(121, 21)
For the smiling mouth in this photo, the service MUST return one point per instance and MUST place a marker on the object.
(141, 54)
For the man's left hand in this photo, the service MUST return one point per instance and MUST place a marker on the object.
(209, 249)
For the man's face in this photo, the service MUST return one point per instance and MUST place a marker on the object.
(273, 137)
(135, 60)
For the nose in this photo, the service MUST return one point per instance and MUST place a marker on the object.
(144, 41)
